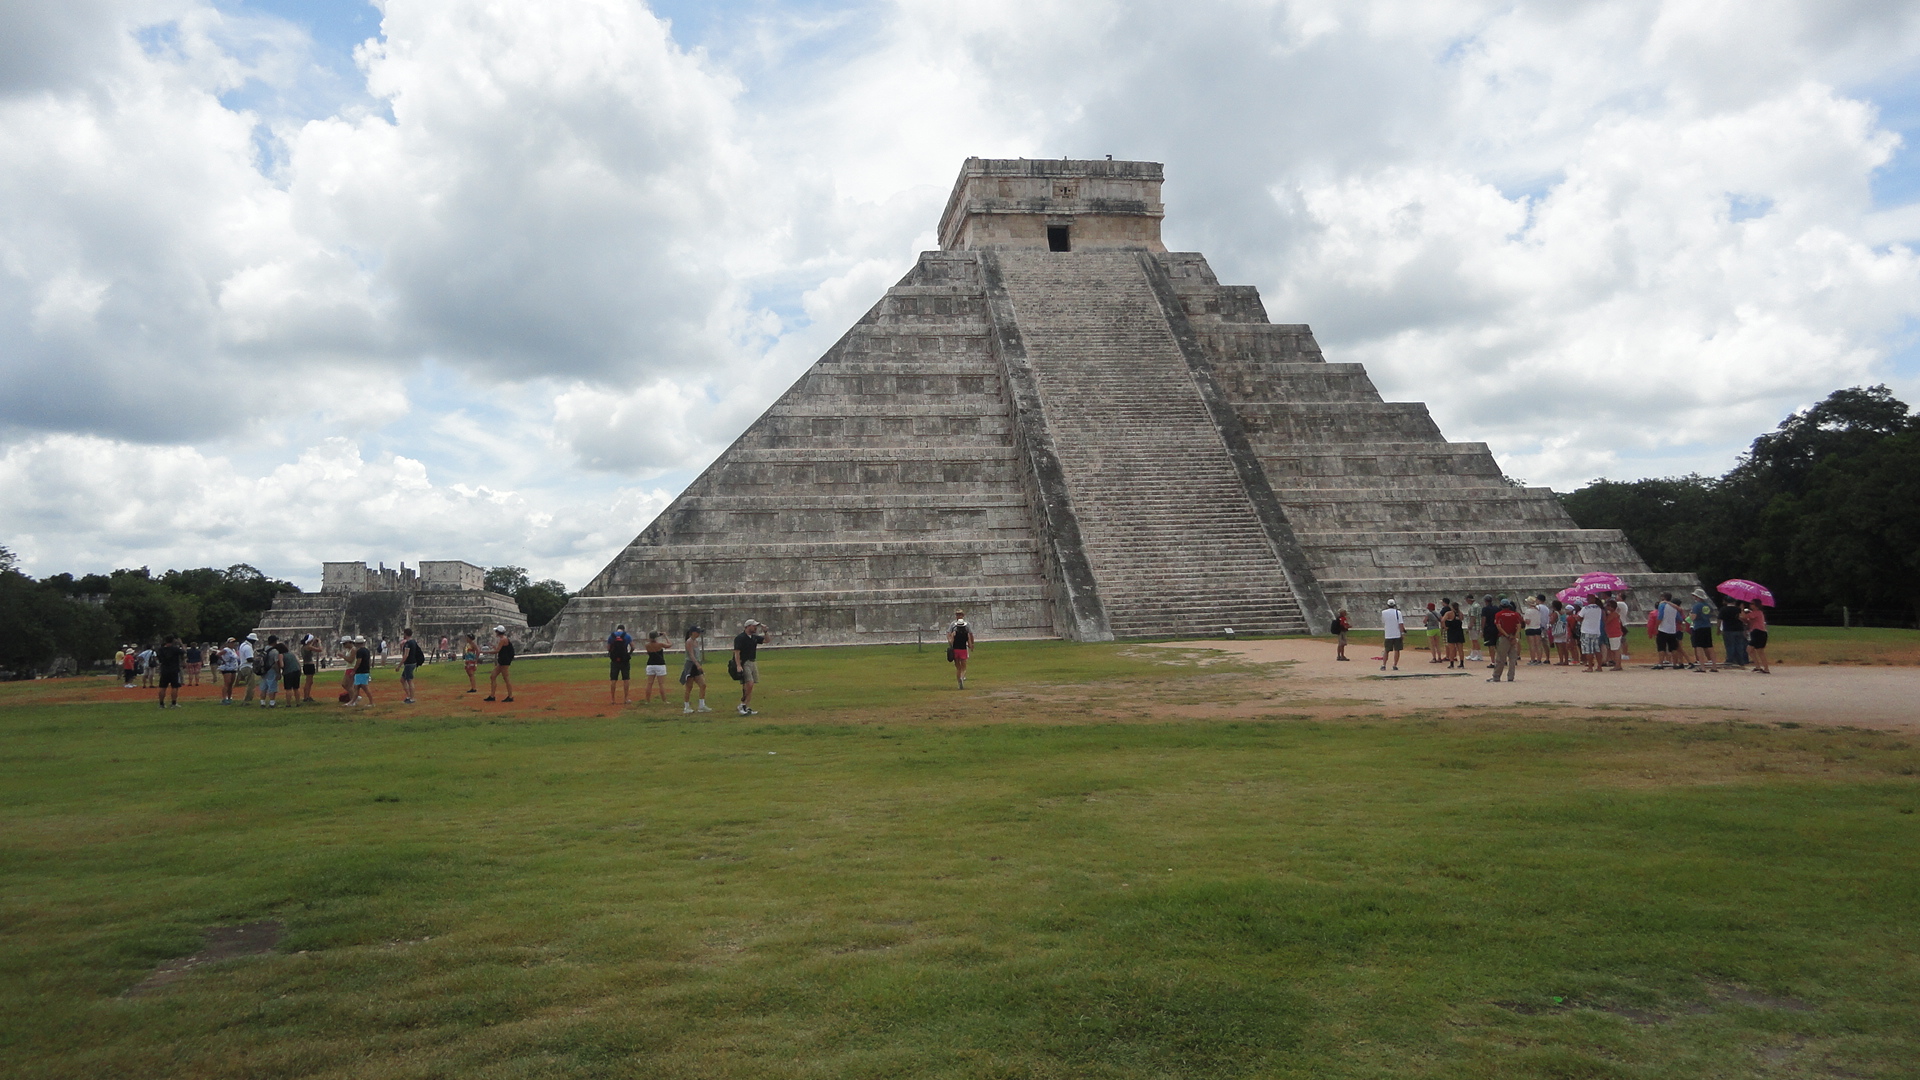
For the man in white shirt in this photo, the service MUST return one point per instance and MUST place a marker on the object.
(1530, 621)
(1394, 626)
(1592, 626)
(1667, 632)
(247, 677)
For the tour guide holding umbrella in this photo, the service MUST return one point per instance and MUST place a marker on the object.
(1752, 595)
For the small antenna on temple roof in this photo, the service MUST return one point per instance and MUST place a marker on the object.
(1109, 157)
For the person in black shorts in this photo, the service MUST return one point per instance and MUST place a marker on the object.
(620, 665)
(746, 652)
(502, 660)
(290, 674)
(168, 658)
(693, 671)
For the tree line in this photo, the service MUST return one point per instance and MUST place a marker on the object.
(1824, 510)
(85, 618)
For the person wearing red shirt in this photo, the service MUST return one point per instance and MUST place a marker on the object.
(1506, 653)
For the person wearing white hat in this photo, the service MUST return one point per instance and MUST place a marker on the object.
(362, 672)
(1393, 626)
(1701, 616)
(247, 676)
(502, 660)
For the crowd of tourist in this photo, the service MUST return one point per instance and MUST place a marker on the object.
(1590, 631)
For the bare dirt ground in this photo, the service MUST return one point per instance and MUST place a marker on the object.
(1312, 681)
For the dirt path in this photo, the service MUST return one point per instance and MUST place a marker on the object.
(1882, 697)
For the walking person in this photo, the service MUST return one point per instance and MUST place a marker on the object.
(746, 651)
(362, 672)
(266, 664)
(693, 671)
(656, 668)
(620, 665)
(1733, 632)
(229, 670)
(960, 646)
(470, 655)
(1509, 624)
(1755, 621)
(1341, 624)
(169, 658)
(412, 659)
(1393, 634)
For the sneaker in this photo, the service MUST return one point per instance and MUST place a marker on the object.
(741, 708)
(473, 691)
(1496, 678)
(686, 706)
(489, 697)
(509, 697)
(703, 707)
(408, 701)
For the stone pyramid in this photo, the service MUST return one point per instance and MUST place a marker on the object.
(1068, 431)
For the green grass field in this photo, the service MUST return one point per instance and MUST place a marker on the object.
(883, 877)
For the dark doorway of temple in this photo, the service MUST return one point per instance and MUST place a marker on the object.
(1057, 238)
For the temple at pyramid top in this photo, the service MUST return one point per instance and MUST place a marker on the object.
(1066, 430)
(1056, 205)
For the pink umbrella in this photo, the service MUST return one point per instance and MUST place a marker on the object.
(1750, 591)
(1607, 582)
(1583, 589)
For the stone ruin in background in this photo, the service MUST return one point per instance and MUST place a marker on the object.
(1069, 431)
(441, 598)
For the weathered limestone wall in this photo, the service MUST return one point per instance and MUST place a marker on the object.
(1011, 202)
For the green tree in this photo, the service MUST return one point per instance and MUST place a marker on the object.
(39, 624)
(1855, 532)
(541, 601)
(506, 579)
(146, 611)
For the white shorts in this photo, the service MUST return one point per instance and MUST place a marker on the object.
(656, 669)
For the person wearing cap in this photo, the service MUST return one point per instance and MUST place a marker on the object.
(502, 661)
(362, 672)
(620, 665)
(310, 653)
(1701, 615)
(412, 659)
(746, 650)
(246, 677)
(1393, 634)
(1666, 620)
(1508, 623)
(693, 672)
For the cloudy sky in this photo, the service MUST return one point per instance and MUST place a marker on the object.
(289, 281)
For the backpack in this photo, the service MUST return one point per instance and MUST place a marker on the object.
(734, 672)
(260, 662)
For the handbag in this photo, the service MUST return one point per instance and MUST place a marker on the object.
(733, 670)
(949, 654)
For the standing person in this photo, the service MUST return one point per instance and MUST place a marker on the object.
(194, 660)
(1733, 632)
(1613, 626)
(1393, 634)
(291, 671)
(1542, 629)
(169, 658)
(125, 658)
(1472, 627)
(310, 651)
(656, 668)
(1562, 634)
(362, 672)
(1530, 618)
(1701, 632)
(441, 653)
(1593, 628)
(693, 672)
(1490, 630)
(266, 664)
(1509, 624)
(412, 659)
(1431, 623)
(1455, 625)
(470, 656)
(502, 664)
(1667, 632)
(960, 646)
(247, 676)
(1341, 624)
(620, 665)
(228, 666)
(344, 651)
(145, 668)
(1755, 621)
(746, 651)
